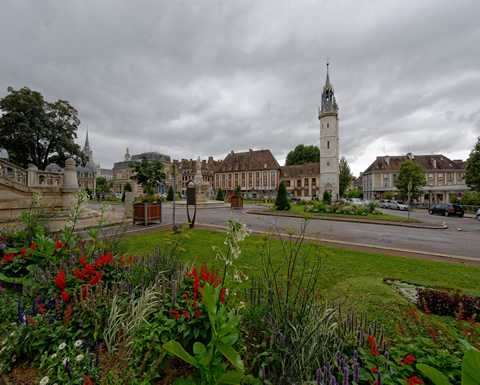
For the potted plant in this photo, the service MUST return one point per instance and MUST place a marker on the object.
(237, 199)
(150, 175)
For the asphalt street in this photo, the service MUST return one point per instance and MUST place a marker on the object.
(460, 238)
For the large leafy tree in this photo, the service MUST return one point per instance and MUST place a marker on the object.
(103, 186)
(148, 173)
(303, 154)
(345, 177)
(33, 130)
(410, 174)
(472, 172)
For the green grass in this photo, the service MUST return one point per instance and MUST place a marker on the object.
(354, 276)
(301, 209)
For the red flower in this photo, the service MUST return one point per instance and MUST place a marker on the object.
(197, 314)
(95, 279)
(414, 380)
(222, 296)
(84, 291)
(408, 359)
(184, 312)
(374, 369)
(177, 316)
(58, 244)
(8, 257)
(82, 260)
(60, 280)
(65, 296)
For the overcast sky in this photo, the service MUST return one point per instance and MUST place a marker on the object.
(202, 78)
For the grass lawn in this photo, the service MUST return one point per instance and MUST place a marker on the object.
(354, 276)
(301, 209)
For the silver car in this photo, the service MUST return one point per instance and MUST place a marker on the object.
(478, 214)
(398, 205)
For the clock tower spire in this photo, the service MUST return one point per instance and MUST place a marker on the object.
(329, 141)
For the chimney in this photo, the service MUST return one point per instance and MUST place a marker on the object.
(434, 162)
(387, 160)
(210, 160)
(250, 151)
(231, 152)
(410, 156)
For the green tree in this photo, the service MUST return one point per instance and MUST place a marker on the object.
(220, 196)
(410, 173)
(102, 185)
(282, 202)
(170, 194)
(303, 154)
(149, 174)
(472, 172)
(327, 197)
(33, 130)
(345, 177)
(357, 193)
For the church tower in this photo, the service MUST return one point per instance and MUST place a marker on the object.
(329, 142)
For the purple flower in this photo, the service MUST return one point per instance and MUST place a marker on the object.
(319, 377)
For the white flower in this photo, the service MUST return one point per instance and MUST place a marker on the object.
(78, 343)
(62, 346)
(12, 334)
(44, 380)
(79, 357)
(14, 358)
(1, 351)
(54, 355)
(65, 361)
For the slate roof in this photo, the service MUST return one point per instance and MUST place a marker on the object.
(138, 158)
(3, 154)
(427, 162)
(300, 170)
(250, 160)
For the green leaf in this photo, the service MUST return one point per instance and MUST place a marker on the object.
(433, 374)
(199, 350)
(10, 280)
(231, 355)
(464, 345)
(471, 367)
(177, 349)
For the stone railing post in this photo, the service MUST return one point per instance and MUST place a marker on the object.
(70, 183)
(32, 178)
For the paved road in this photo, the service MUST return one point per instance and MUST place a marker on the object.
(461, 238)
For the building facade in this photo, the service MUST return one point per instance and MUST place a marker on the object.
(302, 181)
(256, 172)
(122, 172)
(329, 142)
(188, 170)
(445, 177)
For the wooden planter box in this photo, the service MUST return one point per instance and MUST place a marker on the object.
(237, 203)
(147, 212)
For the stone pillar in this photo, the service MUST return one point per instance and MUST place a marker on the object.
(129, 197)
(32, 179)
(70, 183)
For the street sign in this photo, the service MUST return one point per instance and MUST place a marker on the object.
(459, 194)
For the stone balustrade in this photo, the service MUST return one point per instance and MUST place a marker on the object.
(17, 186)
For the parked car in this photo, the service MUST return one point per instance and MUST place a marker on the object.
(447, 209)
(398, 205)
(117, 196)
(384, 203)
(356, 202)
(478, 214)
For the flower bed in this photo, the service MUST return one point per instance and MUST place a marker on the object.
(79, 313)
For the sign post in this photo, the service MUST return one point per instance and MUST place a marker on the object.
(460, 197)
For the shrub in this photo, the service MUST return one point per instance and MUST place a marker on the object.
(443, 303)
(282, 202)
(327, 197)
(220, 196)
(170, 194)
